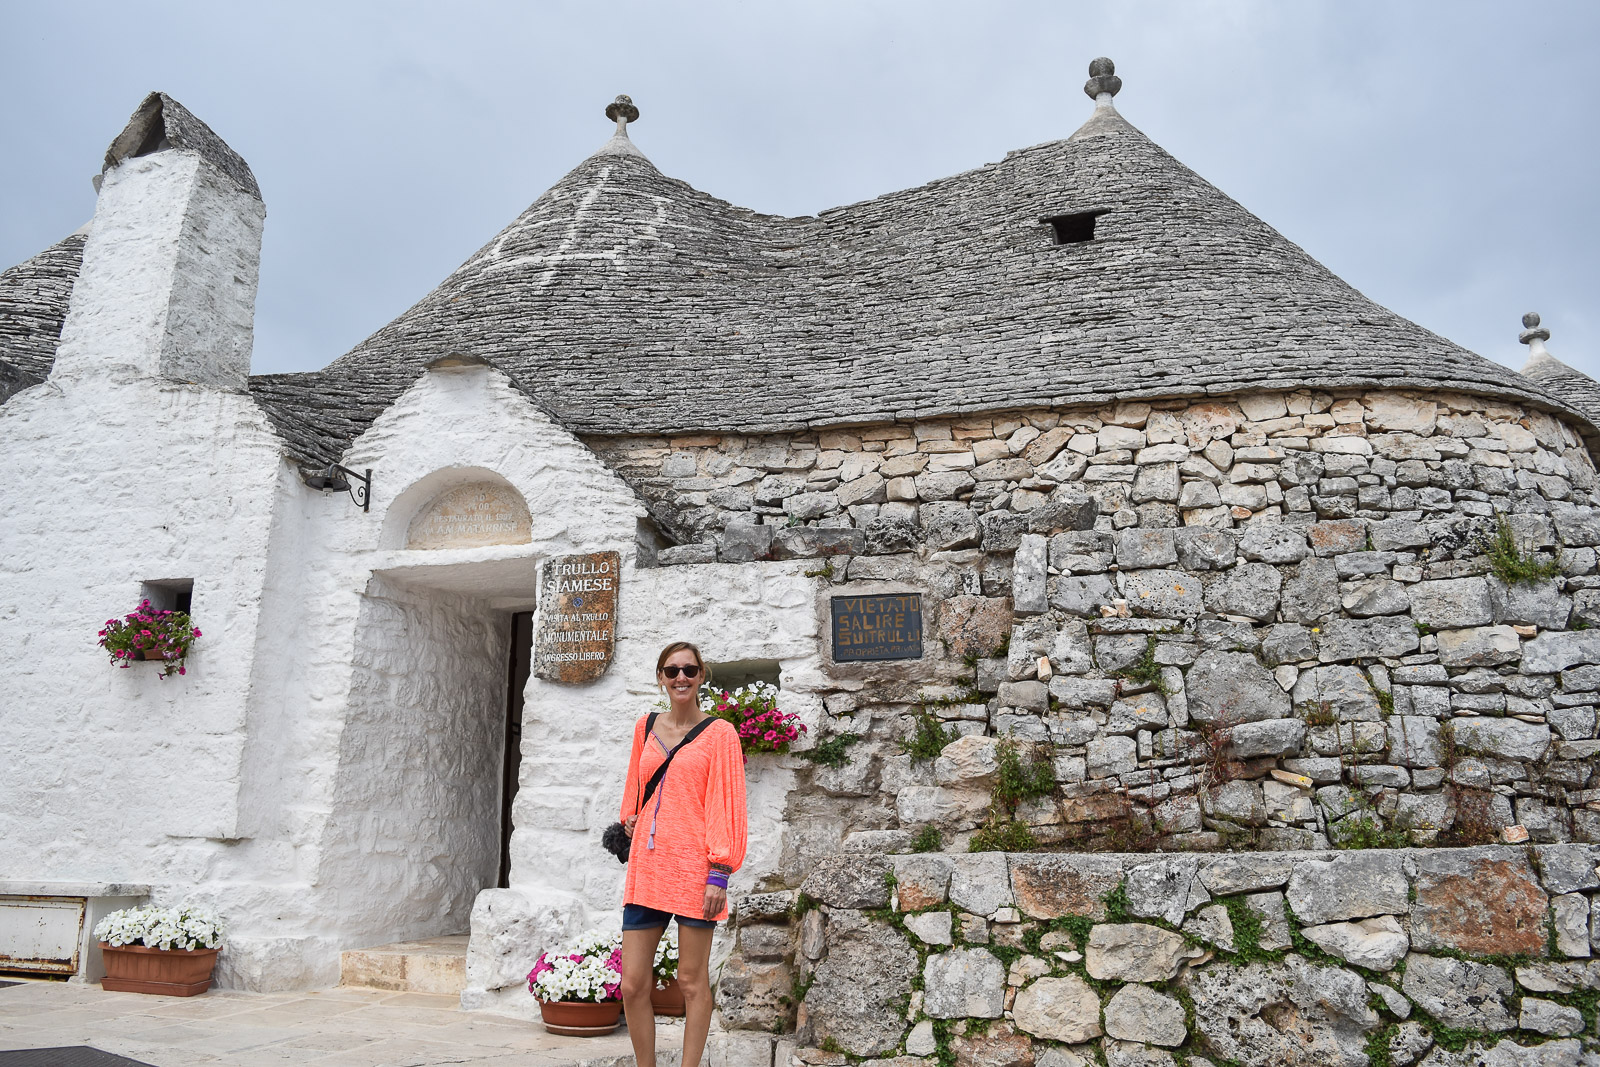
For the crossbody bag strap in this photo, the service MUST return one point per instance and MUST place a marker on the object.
(655, 779)
(649, 725)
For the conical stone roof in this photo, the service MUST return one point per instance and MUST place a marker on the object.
(33, 304)
(628, 302)
(1569, 385)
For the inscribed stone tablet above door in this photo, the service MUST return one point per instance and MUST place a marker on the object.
(483, 513)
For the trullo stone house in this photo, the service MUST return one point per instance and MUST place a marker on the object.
(1282, 603)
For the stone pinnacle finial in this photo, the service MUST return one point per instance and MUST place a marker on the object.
(1534, 336)
(621, 111)
(1103, 81)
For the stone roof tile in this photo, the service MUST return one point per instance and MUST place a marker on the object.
(628, 302)
(33, 304)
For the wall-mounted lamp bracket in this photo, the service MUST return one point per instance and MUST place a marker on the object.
(336, 478)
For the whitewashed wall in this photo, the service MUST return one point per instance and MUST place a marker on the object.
(576, 741)
(426, 632)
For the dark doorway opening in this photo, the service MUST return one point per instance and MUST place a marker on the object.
(516, 681)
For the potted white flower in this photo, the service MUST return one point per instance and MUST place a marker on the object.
(579, 985)
(170, 951)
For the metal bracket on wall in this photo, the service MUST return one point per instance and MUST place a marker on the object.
(336, 478)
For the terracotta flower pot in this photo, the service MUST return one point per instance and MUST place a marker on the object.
(581, 1018)
(668, 999)
(173, 972)
(150, 653)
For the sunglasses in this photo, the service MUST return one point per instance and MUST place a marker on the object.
(672, 669)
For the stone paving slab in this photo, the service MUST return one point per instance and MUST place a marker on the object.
(331, 1028)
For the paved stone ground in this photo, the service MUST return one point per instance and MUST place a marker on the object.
(332, 1028)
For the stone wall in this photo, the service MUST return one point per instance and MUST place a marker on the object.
(1443, 957)
(1268, 622)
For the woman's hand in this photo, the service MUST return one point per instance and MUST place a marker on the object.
(627, 824)
(716, 900)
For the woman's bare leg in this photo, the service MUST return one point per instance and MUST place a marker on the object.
(638, 979)
(694, 978)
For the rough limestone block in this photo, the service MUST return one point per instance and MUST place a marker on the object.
(1342, 691)
(1162, 594)
(1251, 589)
(1376, 944)
(1165, 889)
(858, 992)
(1139, 1013)
(981, 882)
(1312, 594)
(1380, 638)
(1028, 575)
(1239, 1012)
(752, 995)
(1081, 594)
(1548, 653)
(1481, 646)
(1481, 901)
(1233, 687)
(1227, 875)
(1135, 952)
(1414, 741)
(1269, 737)
(1510, 739)
(1274, 543)
(1352, 885)
(1568, 868)
(932, 928)
(1048, 886)
(963, 983)
(1570, 913)
(1212, 925)
(1141, 548)
(849, 881)
(1459, 993)
(1060, 1009)
(1549, 1017)
(1453, 604)
(922, 881)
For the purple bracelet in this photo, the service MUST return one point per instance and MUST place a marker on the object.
(718, 879)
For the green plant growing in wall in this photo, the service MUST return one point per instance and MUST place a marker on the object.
(1015, 780)
(1508, 562)
(928, 737)
(1145, 670)
(831, 751)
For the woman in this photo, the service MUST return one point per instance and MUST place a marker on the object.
(687, 839)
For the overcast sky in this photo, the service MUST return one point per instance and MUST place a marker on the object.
(1441, 157)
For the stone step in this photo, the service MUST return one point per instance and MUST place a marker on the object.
(431, 965)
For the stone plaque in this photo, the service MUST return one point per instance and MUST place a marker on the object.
(877, 627)
(484, 513)
(577, 617)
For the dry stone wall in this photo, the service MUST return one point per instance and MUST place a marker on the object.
(1437, 957)
(1267, 622)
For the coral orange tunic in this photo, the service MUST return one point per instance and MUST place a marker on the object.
(697, 814)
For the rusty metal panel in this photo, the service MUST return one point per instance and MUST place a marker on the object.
(40, 934)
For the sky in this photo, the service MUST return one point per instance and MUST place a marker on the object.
(1440, 156)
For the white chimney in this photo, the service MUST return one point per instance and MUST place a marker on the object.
(168, 283)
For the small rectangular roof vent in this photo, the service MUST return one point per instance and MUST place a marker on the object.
(1075, 228)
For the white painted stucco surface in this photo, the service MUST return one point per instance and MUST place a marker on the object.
(576, 741)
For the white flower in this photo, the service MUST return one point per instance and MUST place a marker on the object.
(184, 927)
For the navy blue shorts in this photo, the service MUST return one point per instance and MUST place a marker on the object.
(639, 917)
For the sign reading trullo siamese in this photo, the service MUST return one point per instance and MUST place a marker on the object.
(577, 616)
(877, 627)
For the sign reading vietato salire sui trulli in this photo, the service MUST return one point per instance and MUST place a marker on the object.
(577, 616)
(877, 627)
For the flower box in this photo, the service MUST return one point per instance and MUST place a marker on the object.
(172, 972)
(170, 951)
